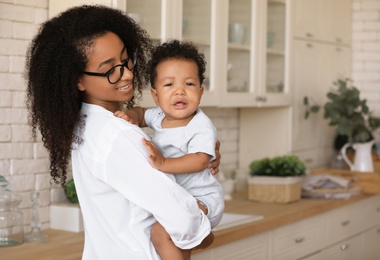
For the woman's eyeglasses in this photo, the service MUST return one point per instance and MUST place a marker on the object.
(116, 72)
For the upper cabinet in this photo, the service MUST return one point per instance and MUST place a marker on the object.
(245, 43)
(323, 20)
(257, 53)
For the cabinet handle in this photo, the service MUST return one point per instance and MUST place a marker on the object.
(344, 247)
(309, 35)
(338, 40)
(261, 99)
(299, 240)
(309, 45)
(378, 231)
(338, 49)
(378, 209)
(345, 223)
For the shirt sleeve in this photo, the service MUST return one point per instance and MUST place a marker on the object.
(170, 204)
(202, 137)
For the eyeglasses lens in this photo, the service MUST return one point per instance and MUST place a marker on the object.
(117, 72)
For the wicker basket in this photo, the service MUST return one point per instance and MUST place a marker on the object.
(274, 189)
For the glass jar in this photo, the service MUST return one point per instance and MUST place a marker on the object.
(11, 218)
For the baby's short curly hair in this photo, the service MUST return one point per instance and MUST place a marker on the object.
(56, 59)
(175, 49)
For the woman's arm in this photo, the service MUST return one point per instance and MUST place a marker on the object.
(144, 186)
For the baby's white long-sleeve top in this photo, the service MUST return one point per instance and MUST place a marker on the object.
(122, 196)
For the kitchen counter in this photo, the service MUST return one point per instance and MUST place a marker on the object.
(68, 245)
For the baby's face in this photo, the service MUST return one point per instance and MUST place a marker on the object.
(177, 89)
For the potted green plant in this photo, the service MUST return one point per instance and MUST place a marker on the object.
(276, 180)
(348, 112)
(70, 192)
(352, 118)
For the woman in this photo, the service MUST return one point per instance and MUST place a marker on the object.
(82, 66)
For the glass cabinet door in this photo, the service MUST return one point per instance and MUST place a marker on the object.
(147, 14)
(196, 27)
(239, 46)
(275, 43)
(200, 26)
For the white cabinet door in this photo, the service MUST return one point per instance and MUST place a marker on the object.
(315, 66)
(306, 78)
(323, 20)
(257, 60)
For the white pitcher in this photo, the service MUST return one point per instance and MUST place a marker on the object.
(363, 156)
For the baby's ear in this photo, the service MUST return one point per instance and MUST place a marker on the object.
(154, 94)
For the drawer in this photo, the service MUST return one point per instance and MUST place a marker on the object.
(341, 223)
(251, 248)
(348, 250)
(369, 213)
(297, 240)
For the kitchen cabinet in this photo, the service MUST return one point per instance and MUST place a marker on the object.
(319, 57)
(297, 240)
(348, 232)
(250, 248)
(323, 20)
(250, 72)
(257, 65)
(190, 21)
(346, 250)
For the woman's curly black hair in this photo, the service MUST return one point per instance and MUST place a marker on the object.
(175, 49)
(56, 59)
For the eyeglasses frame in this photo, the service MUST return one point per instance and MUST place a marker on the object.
(122, 65)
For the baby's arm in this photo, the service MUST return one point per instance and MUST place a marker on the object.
(133, 115)
(188, 163)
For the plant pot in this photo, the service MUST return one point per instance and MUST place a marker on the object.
(271, 189)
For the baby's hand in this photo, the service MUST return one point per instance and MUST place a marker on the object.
(156, 158)
(126, 116)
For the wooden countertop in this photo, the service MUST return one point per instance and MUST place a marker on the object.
(68, 246)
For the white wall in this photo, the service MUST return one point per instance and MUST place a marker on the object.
(366, 51)
(23, 162)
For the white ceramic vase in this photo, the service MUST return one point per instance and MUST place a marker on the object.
(363, 156)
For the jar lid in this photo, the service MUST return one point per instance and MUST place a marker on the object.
(7, 197)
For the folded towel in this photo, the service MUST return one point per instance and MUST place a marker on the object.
(328, 187)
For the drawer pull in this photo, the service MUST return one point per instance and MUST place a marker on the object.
(345, 223)
(378, 231)
(310, 35)
(378, 209)
(344, 247)
(299, 240)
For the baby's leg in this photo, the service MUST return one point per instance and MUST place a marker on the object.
(164, 245)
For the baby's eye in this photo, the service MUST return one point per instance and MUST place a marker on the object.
(190, 84)
(168, 85)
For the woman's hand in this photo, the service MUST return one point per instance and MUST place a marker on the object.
(215, 163)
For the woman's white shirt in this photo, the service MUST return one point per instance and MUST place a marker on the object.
(121, 195)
